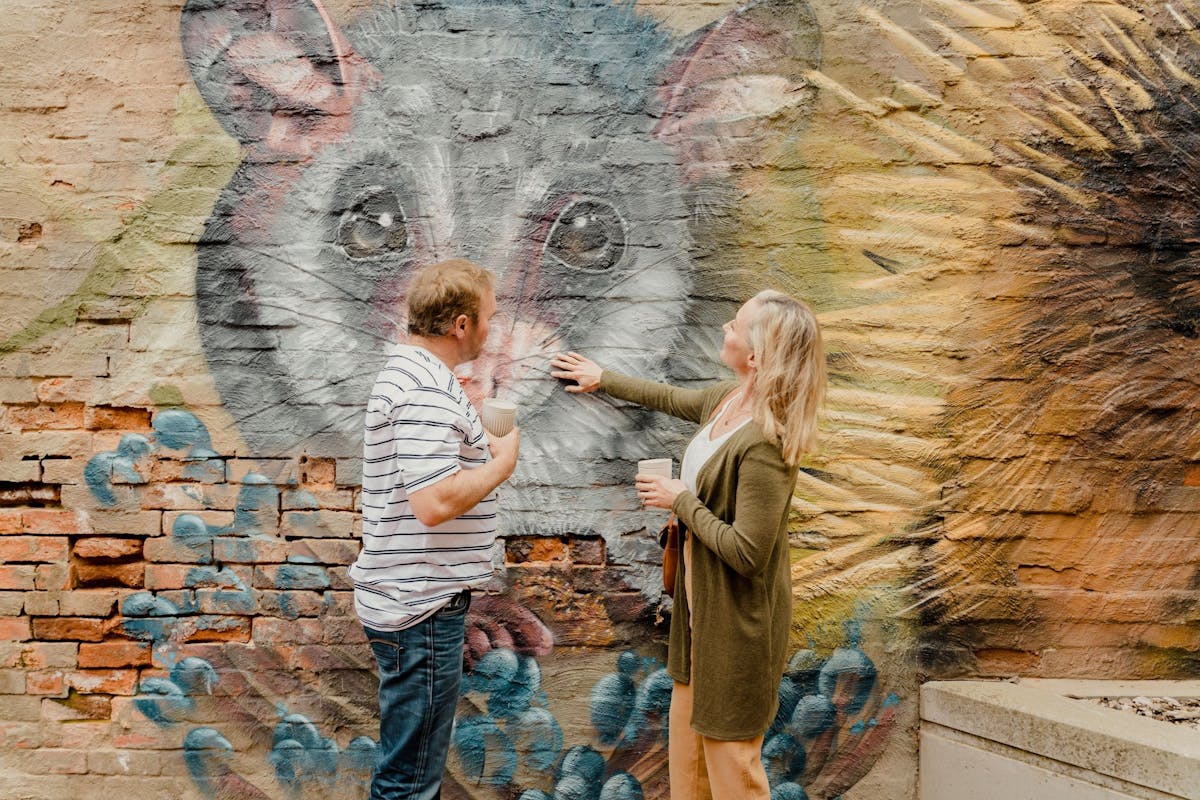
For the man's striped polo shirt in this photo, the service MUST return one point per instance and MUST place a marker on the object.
(420, 429)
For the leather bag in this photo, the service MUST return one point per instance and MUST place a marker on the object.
(671, 539)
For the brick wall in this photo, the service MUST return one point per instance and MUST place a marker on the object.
(988, 204)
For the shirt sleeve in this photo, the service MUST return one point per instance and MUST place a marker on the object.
(428, 433)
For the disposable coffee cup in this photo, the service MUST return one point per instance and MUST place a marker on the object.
(655, 466)
(498, 416)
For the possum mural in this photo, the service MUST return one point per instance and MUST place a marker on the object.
(574, 149)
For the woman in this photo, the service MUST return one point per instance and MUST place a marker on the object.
(733, 600)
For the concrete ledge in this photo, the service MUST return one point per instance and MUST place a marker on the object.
(1142, 757)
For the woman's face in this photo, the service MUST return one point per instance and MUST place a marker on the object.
(736, 350)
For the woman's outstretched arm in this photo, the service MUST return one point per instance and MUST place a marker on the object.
(686, 404)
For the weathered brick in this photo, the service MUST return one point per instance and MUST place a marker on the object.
(52, 577)
(290, 604)
(216, 628)
(340, 604)
(37, 655)
(176, 470)
(319, 471)
(76, 706)
(11, 603)
(14, 470)
(20, 708)
(54, 521)
(269, 630)
(10, 521)
(342, 630)
(75, 629)
(47, 761)
(14, 628)
(114, 654)
(316, 498)
(86, 735)
(38, 444)
(88, 602)
(349, 472)
(327, 551)
(103, 681)
(170, 550)
(279, 471)
(98, 574)
(217, 521)
(41, 604)
(123, 762)
(108, 547)
(64, 390)
(129, 523)
(12, 681)
(17, 390)
(250, 550)
(291, 576)
(47, 416)
(587, 551)
(116, 418)
(46, 682)
(185, 576)
(525, 549)
(225, 601)
(318, 524)
(20, 576)
(26, 549)
(174, 497)
(62, 470)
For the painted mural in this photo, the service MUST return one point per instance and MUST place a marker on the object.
(989, 204)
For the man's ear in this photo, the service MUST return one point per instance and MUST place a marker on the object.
(459, 328)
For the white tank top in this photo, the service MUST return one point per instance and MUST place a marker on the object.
(701, 448)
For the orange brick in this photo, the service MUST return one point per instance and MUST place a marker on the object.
(320, 471)
(14, 629)
(47, 520)
(116, 418)
(1192, 478)
(268, 630)
(99, 575)
(213, 628)
(522, 549)
(114, 654)
(48, 416)
(10, 520)
(49, 682)
(73, 629)
(1002, 663)
(107, 547)
(33, 548)
(103, 681)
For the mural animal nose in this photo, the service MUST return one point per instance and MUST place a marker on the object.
(516, 349)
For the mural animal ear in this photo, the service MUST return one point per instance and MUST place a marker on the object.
(732, 76)
(277, 74)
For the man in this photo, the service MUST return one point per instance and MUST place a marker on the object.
(429, 523)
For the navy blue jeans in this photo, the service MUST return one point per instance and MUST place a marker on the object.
(420, 672)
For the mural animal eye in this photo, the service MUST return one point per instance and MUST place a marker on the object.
(588, 234)
(375, 226)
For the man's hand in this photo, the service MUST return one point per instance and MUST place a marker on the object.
(574, 367)
(504, 449)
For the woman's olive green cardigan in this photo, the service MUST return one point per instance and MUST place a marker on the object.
(742, 609)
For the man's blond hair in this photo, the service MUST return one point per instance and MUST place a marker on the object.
(440, 292)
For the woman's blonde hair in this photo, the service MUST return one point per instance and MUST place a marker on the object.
(788, 385)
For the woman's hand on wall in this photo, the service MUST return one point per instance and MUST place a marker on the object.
(574, 367)
(656, 491)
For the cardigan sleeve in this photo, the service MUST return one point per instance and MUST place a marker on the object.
(686, 404)
(763, 493)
